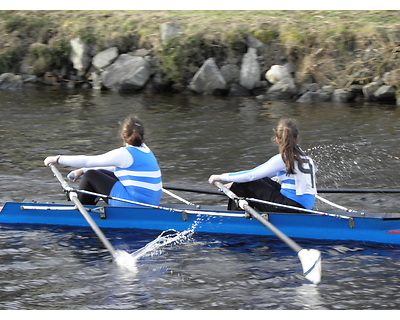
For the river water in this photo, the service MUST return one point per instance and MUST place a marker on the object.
(354, 146)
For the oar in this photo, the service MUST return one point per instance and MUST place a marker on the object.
(358, 190)
(74, 197)
(334, 215)
(178, 197)
(193, 190)
(309, 258)
(319, 190)
(170, 209)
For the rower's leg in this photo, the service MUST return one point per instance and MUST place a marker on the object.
(98, 181)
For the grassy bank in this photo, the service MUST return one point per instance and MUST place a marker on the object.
(326, 47)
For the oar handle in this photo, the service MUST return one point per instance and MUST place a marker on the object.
(71, 176)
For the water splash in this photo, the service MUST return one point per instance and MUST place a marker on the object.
(171, 237)
(126, 261)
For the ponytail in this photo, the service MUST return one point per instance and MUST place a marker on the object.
(287, 133)
(132, 131)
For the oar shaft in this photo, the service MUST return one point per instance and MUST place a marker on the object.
(335, 215)
(283, 237)
(92, 224)
(170, 209)
(293, 245)
(74, 197)
(193, 190)
(310, 258)
(319, 190)
(177, 197)
(358, 190)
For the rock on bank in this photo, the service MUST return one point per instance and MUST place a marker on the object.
(250, 73)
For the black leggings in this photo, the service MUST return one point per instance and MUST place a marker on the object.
(263, 189)
(98, 181)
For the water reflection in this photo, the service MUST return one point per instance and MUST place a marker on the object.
(309, 297)
(192, 136)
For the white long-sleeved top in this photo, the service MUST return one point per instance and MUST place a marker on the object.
(110, 160)
(300, 187)
(135, 167)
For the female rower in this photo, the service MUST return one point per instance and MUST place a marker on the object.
(293, 174)
(130, 172)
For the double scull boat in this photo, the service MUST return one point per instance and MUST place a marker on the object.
(382, 228)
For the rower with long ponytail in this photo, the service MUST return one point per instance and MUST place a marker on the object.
(287, 138)
(287, 178)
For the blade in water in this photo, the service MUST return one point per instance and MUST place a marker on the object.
(126, 261)
(311, 262)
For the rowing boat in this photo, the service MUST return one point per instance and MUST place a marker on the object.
(302, 224)
(360, 227)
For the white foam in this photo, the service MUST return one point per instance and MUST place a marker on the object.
(171, 237)
(126, 261)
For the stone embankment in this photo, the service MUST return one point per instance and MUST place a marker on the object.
(138, 71)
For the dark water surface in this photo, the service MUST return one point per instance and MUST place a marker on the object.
(354, 146)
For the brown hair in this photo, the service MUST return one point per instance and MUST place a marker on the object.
(286, 131)
(132, 131)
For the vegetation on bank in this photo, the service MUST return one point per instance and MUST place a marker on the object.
(327, 47)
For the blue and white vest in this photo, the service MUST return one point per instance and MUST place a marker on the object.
(141, 181)
(300, 187)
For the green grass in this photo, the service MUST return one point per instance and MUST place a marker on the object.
(102, 23)
(206, 33)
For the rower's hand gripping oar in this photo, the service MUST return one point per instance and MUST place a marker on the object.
(74, 197)
(310, 258)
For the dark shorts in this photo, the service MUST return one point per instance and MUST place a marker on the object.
(98, 181)
(263, 189)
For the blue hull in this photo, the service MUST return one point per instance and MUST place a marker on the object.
(378, 228)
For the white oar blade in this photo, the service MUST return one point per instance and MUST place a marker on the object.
(311, 262)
